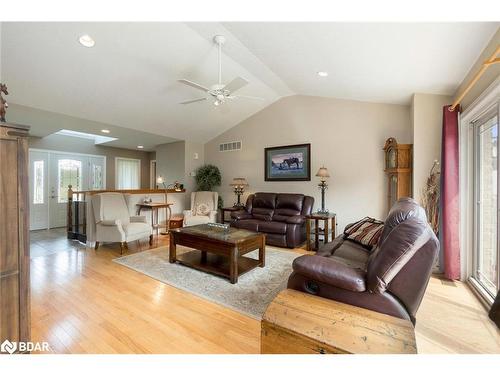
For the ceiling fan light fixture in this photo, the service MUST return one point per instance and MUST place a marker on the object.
(323, 74)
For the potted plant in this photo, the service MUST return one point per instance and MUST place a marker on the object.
(207, 178)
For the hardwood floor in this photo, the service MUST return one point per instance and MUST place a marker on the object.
(82, 302)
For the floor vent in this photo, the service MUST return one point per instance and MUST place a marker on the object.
(230, 146)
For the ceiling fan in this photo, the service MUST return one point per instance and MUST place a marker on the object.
(219, 91)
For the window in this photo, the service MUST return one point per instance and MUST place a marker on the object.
(128, 173)
(97, 183)
(38, 167)
(69, 173)
(485, 265)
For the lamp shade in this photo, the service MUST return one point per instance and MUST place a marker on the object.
(323, 173)
(160, 180)
(239, 181)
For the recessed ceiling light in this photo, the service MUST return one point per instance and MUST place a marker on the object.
(323, 74)
(105, 131)
(86, 41)
(140, 146)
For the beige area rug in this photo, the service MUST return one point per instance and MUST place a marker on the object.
(251, 295)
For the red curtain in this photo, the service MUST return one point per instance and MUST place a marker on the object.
(450, 209)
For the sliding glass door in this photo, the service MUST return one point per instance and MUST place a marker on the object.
(486, 222)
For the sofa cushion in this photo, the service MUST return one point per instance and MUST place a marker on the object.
(264, 200)
(366, 232)
(264, 214)
(250, 224)
(272, 227)
(289, 203)
(395, 251)
(403, 209)
(354, 254)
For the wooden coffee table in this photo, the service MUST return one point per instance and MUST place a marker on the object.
(218, 251)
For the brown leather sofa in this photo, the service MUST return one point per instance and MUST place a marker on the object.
(391, 279)
(280, 216)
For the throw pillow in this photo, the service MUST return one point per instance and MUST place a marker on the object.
(366, 232)
(202, 209)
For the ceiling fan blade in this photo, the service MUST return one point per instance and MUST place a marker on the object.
(193, 101)
(236, 84)
(193, 84)
(247, 97)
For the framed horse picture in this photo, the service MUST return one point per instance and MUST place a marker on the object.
(288, 163)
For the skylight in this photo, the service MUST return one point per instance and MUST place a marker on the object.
(98, 139)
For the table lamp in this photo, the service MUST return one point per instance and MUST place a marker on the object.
(239, 184)
(323, 175)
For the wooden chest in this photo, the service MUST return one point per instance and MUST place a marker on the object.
(299, 323)
(176, 222)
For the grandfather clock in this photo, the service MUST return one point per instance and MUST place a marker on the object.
(398, 168)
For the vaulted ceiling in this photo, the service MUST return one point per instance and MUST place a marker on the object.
(129, 78)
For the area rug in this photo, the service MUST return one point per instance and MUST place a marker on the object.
(251, 295)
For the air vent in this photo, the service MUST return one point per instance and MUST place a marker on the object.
(230, 146)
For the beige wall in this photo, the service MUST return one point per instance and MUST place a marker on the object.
(176, 161)
(427, 119)
(346, 137)
(83, 146)
(492, 73)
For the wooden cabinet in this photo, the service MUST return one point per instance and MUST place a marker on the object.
(14, 240)
(398, 168)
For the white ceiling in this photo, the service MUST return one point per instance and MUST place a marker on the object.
(129, 79)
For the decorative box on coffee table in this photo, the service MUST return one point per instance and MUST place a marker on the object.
(300, 323)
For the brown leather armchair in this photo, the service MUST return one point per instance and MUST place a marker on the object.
(280, 216)
(391, 279)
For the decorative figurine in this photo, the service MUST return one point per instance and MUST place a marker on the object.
(3, 103)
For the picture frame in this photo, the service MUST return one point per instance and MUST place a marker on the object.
(288, 163)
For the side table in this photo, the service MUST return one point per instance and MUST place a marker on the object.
(223, 211)
(154, 206)
(328, 219)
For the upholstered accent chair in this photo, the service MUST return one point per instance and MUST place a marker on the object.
(114, 222)
(203, 208)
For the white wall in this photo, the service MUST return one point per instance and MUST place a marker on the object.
(427, 120)
(346, 137)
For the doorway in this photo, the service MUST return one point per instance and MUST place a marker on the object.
(486, 258)
(50, 174)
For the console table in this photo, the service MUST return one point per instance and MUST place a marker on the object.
(154, 206)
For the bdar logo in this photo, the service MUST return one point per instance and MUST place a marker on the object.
(8, 347)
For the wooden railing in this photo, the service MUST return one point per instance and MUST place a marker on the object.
(76, 219)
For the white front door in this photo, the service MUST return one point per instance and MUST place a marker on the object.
(64, 170)
(38, 188)
(50, 174)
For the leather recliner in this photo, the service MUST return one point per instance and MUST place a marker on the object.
(280, 216)
(391, 279)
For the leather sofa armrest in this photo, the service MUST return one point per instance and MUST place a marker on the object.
(330, 271)
(111, 223)
(298, 219)
(138, 219)
(240, 215)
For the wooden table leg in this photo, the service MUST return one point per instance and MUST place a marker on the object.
(172, 252)
(334, 227)
(157, 222)
(262, 253)
(233, 266)
(326, 231)
(308, 234)
(316, 234)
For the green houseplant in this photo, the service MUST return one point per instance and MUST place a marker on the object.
(207, 177)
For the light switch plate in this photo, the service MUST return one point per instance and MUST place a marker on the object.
(195, 156)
